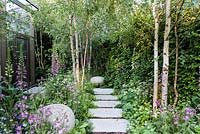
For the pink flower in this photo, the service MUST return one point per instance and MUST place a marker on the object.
(186, 118)
(61, 131)
(32, 132)
(48, 111)
(42, 110)
(32, 118)
(24, 114)
(188, 110)
(175, 122)
(22, 105)
(35, 126)
(19, 128)
(24, 97)
(58, 125)
(18, 132)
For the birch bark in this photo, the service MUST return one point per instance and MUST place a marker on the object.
(165, 69)
(156, 23)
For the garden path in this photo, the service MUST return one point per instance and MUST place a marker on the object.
(106, 118)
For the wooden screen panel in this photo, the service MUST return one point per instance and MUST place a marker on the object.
(3, 55)
(32, 60)
(21, 40)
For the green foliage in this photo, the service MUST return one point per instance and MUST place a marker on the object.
(127, 57)
(134, 96)
(59, 89)
(9, 68)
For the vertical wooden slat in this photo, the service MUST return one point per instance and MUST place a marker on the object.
(1, 40)
(0, 59)
(32, 60)
(3, 55)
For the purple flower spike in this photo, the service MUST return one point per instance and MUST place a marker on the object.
(176, 118)
(158, 103)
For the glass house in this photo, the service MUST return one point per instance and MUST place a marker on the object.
(17, 30)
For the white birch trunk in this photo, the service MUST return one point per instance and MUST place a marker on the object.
(90, 56)
(176, 67)
(165, 70)
(85, 56)
(77, 53)
(156, 23)
(72, 48)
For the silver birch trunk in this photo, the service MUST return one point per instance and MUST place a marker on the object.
(85, 56)
(77, 53)
(165, 69)
(72, 48)
(176, 67)
(156, 30)
(90, 56)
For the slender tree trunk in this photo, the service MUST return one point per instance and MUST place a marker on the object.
(77, 53)
(177, 50)
(165, 70)
(90, 57)
(72, 48)
(85, 55)
(176, 67)
(156, 23)
(81, 53)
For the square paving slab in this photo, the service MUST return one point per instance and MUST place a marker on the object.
(105, 126)
(106, 104)
(109, 113)
(103, 91)
(106, 97)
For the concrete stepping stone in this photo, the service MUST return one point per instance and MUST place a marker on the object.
(104, 126)
(108, 113)
(97, 80)
(106, 97)
(106, 104)
(103, 91)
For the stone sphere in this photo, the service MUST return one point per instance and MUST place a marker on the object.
(59, 115)
(97, 80)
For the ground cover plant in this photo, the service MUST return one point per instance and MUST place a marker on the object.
(19, 112)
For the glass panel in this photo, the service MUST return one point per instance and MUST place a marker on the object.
(19, 19)
(21, 41)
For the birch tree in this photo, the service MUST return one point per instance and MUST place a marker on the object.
(165, 69)
(77, 53)
(72, 46)
(156, 30)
